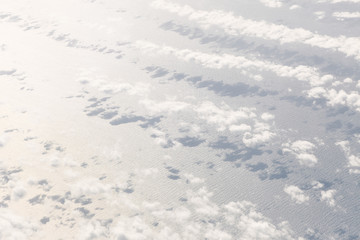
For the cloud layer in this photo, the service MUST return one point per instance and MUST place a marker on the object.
(237, 25)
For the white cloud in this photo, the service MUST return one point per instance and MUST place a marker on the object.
(201, 202)
(303, 151)
(152, 172)
(216, 234)
(302, 146)
(252, 224)
(335, 97)
(328, 197)
(224, 116)
(320, 14)
(150, 205)
(240, 128)
(141, 89)
(301, 72)
(342, 15)
(354, 171)
(192, 179)
(89, 186)
(13, 227)
(339, 1)
(341, 97)
(237, 25)
(162, 138)
(132, 228)
(336, 83)
(296, 194)
(59, 161)
(234, 220)
(255, 131)
(257, 137)
(18, 192)
(307, 159)
(92, 230)
(348, 80)
(178, 215)
(267, 116)
(272, 3)
(3, 140)
(190, 128)
(353, 159)
(293, 7)
(103, 83)
(317, 185)
(163, 106)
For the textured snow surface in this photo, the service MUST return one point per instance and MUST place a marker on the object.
(169, 119)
